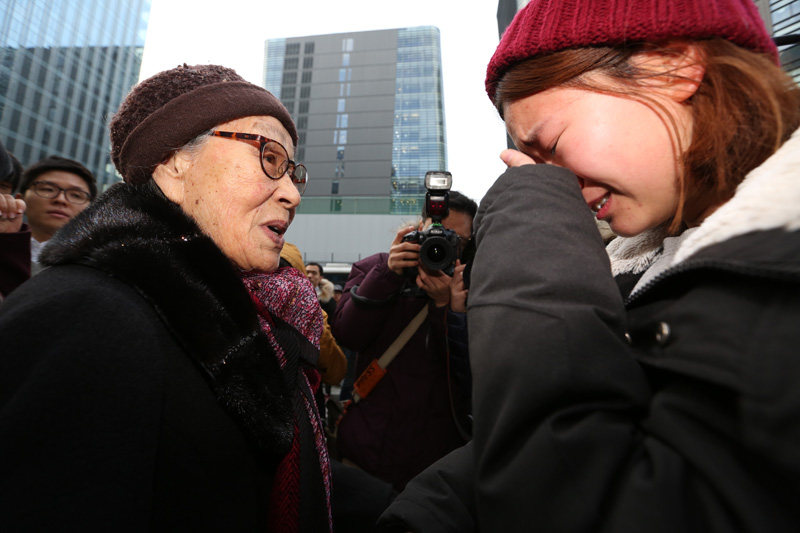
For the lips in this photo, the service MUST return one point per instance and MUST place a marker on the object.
(278, 228)
(598, 205)
(58, 214)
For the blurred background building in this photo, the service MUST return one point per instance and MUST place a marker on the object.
(65, 66)
(369, 110)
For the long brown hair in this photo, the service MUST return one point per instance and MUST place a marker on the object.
(744, 109)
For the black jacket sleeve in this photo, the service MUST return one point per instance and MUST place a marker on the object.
(556, 391)
(439, 500)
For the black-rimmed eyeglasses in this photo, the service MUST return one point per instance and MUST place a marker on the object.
(275, 160)
(49, 190)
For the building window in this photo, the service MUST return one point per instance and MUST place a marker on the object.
(308, 62)
(293, 49)
(288, 92)
(345, 60)
(309, 48)
(306, 76)
(340, 105)
(303, 107)
(335, 187)
(289, 78)
(302, 122)
(291, 63)
(340, 153)
(305, 91)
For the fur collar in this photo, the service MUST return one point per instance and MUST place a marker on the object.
(135, 234)
(325, 292)
(768, 198)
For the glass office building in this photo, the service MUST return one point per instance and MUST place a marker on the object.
(785, 16)
(65, 66)
(370, 115)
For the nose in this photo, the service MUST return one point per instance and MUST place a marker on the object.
(287, 192)
(61, 193)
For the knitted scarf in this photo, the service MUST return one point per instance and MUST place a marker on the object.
(290, 316)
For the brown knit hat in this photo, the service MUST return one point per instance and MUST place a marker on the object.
(547, 26)
(169, 109)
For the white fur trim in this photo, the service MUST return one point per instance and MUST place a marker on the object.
(768, 198)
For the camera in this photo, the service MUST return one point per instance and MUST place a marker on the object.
(439, 246)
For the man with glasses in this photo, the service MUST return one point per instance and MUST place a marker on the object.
(54, 190)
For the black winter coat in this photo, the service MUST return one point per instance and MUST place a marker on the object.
(137, 391)
(677, 409)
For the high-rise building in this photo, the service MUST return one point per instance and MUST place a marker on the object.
(785, 18)
(370, 116)
(65, 66)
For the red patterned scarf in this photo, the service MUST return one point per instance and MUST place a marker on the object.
(287, 305)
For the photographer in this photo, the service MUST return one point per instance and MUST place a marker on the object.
(407, 422)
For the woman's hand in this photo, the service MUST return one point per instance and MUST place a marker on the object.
(403, 254)
(458, 293)
(436, 285)
(515, 158)
(11, 210)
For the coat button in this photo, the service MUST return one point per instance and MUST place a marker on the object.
(663, 333)
(628, 338)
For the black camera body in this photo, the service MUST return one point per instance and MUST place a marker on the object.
(438, 249)
(439, 246)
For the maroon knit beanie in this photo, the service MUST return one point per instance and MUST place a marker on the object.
(546, 26)
(169, 109)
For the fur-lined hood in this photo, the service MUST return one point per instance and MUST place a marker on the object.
(325, 292)
(767, 199)
(135, 234)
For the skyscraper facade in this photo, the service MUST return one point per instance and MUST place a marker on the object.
(65, 66)
(370, 115)
(785, 18)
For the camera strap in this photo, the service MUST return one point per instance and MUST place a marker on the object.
(377, 368)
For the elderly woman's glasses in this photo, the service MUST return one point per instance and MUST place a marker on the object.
(274, 157)
(48, 190)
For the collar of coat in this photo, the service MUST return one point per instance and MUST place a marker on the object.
(767, 199)
(138, 236)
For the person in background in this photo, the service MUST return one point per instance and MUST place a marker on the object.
(651, 384)
(407, 421)
(323, 287)
(54, 189)
(337, 292)
(10, 171)
(51, 192)
(15, 245)
(160, 373)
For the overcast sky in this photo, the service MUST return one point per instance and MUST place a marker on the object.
(232, 33)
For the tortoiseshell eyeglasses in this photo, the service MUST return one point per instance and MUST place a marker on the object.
(274, 157)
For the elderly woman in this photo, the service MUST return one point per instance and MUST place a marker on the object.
(160, 373)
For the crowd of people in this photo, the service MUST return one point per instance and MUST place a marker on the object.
(170, 363)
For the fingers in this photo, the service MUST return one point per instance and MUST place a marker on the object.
(402, 254)
(11, 210)
(11, 207)
(515, 158)
(398, 238)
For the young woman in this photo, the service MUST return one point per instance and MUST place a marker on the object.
(667, 400)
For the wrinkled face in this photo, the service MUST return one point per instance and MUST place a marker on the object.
(224, 189)
(312, 271)
(622, 150)
(46, 215)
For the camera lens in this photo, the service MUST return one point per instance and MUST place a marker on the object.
(437, 253)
